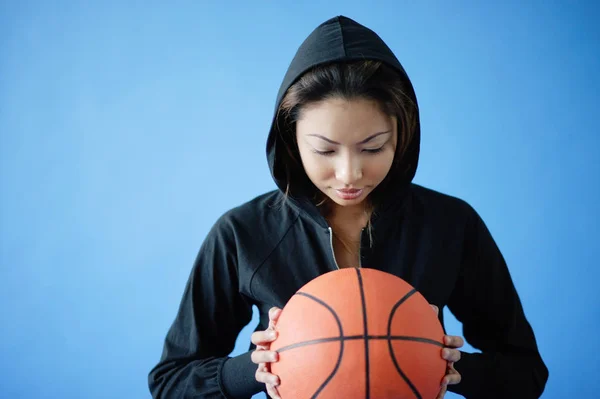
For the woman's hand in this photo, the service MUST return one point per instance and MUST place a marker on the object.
(452, 355)
(264, 357)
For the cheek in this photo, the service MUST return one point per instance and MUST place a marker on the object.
(318, 169)
(379, 168)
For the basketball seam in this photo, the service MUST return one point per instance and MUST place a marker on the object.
(365, 333)
(391, 348)
(339, 323)
(357, 337)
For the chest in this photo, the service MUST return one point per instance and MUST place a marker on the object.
(428, 262)
(346, 254)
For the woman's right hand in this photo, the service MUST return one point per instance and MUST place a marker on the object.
(263, 357)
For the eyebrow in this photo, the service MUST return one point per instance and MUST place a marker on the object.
(371, 137)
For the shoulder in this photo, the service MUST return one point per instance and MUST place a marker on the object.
(455, 213)
(265, 206)
(257, 216)
(438, 202)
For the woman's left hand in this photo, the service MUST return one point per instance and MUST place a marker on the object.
(452, 355)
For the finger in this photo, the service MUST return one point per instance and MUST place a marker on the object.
(442, 391)
(451, 355)
(263, 337)
(274, 314)
(262, 375)
(263, 356)
(452, 376)
(272, 391)
(454, 341)
(435, 309)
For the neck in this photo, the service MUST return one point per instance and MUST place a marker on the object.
(349, 217)
(354, 212)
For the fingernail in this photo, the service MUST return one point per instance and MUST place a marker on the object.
(274, 357)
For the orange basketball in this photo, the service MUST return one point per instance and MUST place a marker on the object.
(358, 333)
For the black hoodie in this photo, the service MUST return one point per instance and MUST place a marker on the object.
(263, 251)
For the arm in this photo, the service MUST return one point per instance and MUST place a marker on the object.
(486, 302)
(212, 312)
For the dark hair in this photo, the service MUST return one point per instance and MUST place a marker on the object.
(366, 79)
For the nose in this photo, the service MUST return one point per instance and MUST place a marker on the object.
(348, 170)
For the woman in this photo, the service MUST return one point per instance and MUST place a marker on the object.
(343, 150)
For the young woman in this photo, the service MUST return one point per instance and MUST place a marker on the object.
(343, 149)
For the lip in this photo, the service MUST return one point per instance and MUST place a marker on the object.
(349, 194)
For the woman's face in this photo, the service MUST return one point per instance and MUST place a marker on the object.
(347, 147)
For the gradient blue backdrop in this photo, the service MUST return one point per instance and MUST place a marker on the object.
(126, 130)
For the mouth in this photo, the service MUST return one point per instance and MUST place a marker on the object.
(349, 194)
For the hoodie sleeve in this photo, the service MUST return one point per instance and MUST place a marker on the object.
(211, 314)
(486, 302)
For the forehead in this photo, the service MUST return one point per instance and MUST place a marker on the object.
(337, 118)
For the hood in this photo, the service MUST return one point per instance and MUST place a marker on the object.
(341, 39)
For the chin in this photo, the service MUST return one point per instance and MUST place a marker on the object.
(348, 203)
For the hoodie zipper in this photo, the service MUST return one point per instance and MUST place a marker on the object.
(331, 244)
(359, 249)
(333, 252)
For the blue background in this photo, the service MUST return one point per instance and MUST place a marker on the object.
(127, 129)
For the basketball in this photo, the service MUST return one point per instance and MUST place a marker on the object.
(358, 333)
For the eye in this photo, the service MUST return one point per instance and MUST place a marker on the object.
(373, 151)
(328, 152)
